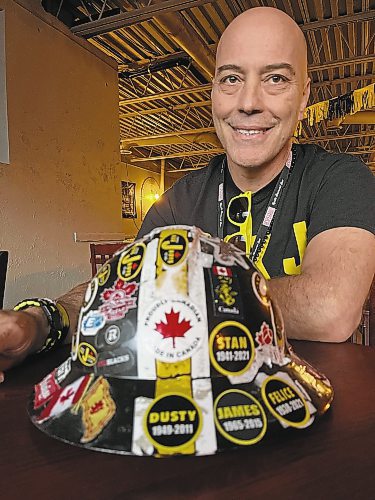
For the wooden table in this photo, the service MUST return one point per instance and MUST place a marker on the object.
(334, 459)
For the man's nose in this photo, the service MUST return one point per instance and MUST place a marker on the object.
(250, 97)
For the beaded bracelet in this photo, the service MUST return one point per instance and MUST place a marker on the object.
(57, 318)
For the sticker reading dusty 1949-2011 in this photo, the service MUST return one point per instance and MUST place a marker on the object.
(173, 422)
(239, 417)
(285, 402)
(231, 348)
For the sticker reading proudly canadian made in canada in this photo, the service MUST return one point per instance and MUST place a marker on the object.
(231, 348)
(173, 330)
(172, 422)
(285, 402)
(130, 262)
(239, 417)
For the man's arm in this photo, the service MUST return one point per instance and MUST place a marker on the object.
(325, 301)
(23, 332)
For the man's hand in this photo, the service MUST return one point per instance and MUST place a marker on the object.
(21, 333)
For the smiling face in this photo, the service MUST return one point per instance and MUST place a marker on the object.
(260, 88)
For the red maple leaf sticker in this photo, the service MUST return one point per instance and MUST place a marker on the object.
(265, 336)
(173, 328)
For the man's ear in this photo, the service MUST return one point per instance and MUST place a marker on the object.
(305, 98)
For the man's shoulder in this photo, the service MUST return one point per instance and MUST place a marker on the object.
(316, 156)
(196, 178)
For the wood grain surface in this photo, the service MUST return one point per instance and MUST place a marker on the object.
(334, 459)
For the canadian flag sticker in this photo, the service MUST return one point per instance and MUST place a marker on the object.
(65, 398)
(222, 271)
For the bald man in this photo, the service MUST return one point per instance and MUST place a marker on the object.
(303, 215)
(307, 215)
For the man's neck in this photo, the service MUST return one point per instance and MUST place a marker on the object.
(255, 178)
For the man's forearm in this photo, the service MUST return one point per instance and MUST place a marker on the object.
(72, 302)
(312, 311)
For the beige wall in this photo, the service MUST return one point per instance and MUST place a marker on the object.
(64, 174)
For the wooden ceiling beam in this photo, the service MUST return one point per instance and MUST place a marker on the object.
(337, 21)
(165, 95)
(342, 62)
(181, 154)
(153, 111)
(107, 24)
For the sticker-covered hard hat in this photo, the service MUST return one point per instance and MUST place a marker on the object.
(178, 350)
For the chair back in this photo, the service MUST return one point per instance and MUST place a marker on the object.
(101, 252)
(3, 273)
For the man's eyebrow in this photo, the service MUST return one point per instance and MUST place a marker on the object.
(231, 67)
(276, 66)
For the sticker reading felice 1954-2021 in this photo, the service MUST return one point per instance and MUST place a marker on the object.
(285, 402)
(172, 422)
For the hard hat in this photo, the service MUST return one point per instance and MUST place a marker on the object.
(179, 350)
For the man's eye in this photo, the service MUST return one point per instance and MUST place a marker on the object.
(230, 80)
(277, 79)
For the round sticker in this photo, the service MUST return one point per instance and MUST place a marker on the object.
(173, 248)
(173, 422)
(285, 402)
(130, 262)
(87, 354)
(103, 274)
(174, 330)
(260, 288)
(231, 348)
(90, 294)
(112, 335)
(239, 417)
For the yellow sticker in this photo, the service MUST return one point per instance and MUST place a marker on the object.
(103, 274)
(231, 348)
(172, 422)
(87, 354)
(285, 402)
(98, 408)
(130, 262)
(173, 246)
(239, 417)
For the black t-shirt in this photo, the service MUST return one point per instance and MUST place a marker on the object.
(324, 191)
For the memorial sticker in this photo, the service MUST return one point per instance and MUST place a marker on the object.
(239, 417)
(231, 348)
(173, 422)
(285, 402)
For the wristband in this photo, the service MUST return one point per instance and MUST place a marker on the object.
(57, 318)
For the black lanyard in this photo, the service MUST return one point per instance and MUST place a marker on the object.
(269, 215)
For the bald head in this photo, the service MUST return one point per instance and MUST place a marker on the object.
(259, 93)
(268, 30)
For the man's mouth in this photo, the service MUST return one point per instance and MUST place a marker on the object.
(247, 132)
